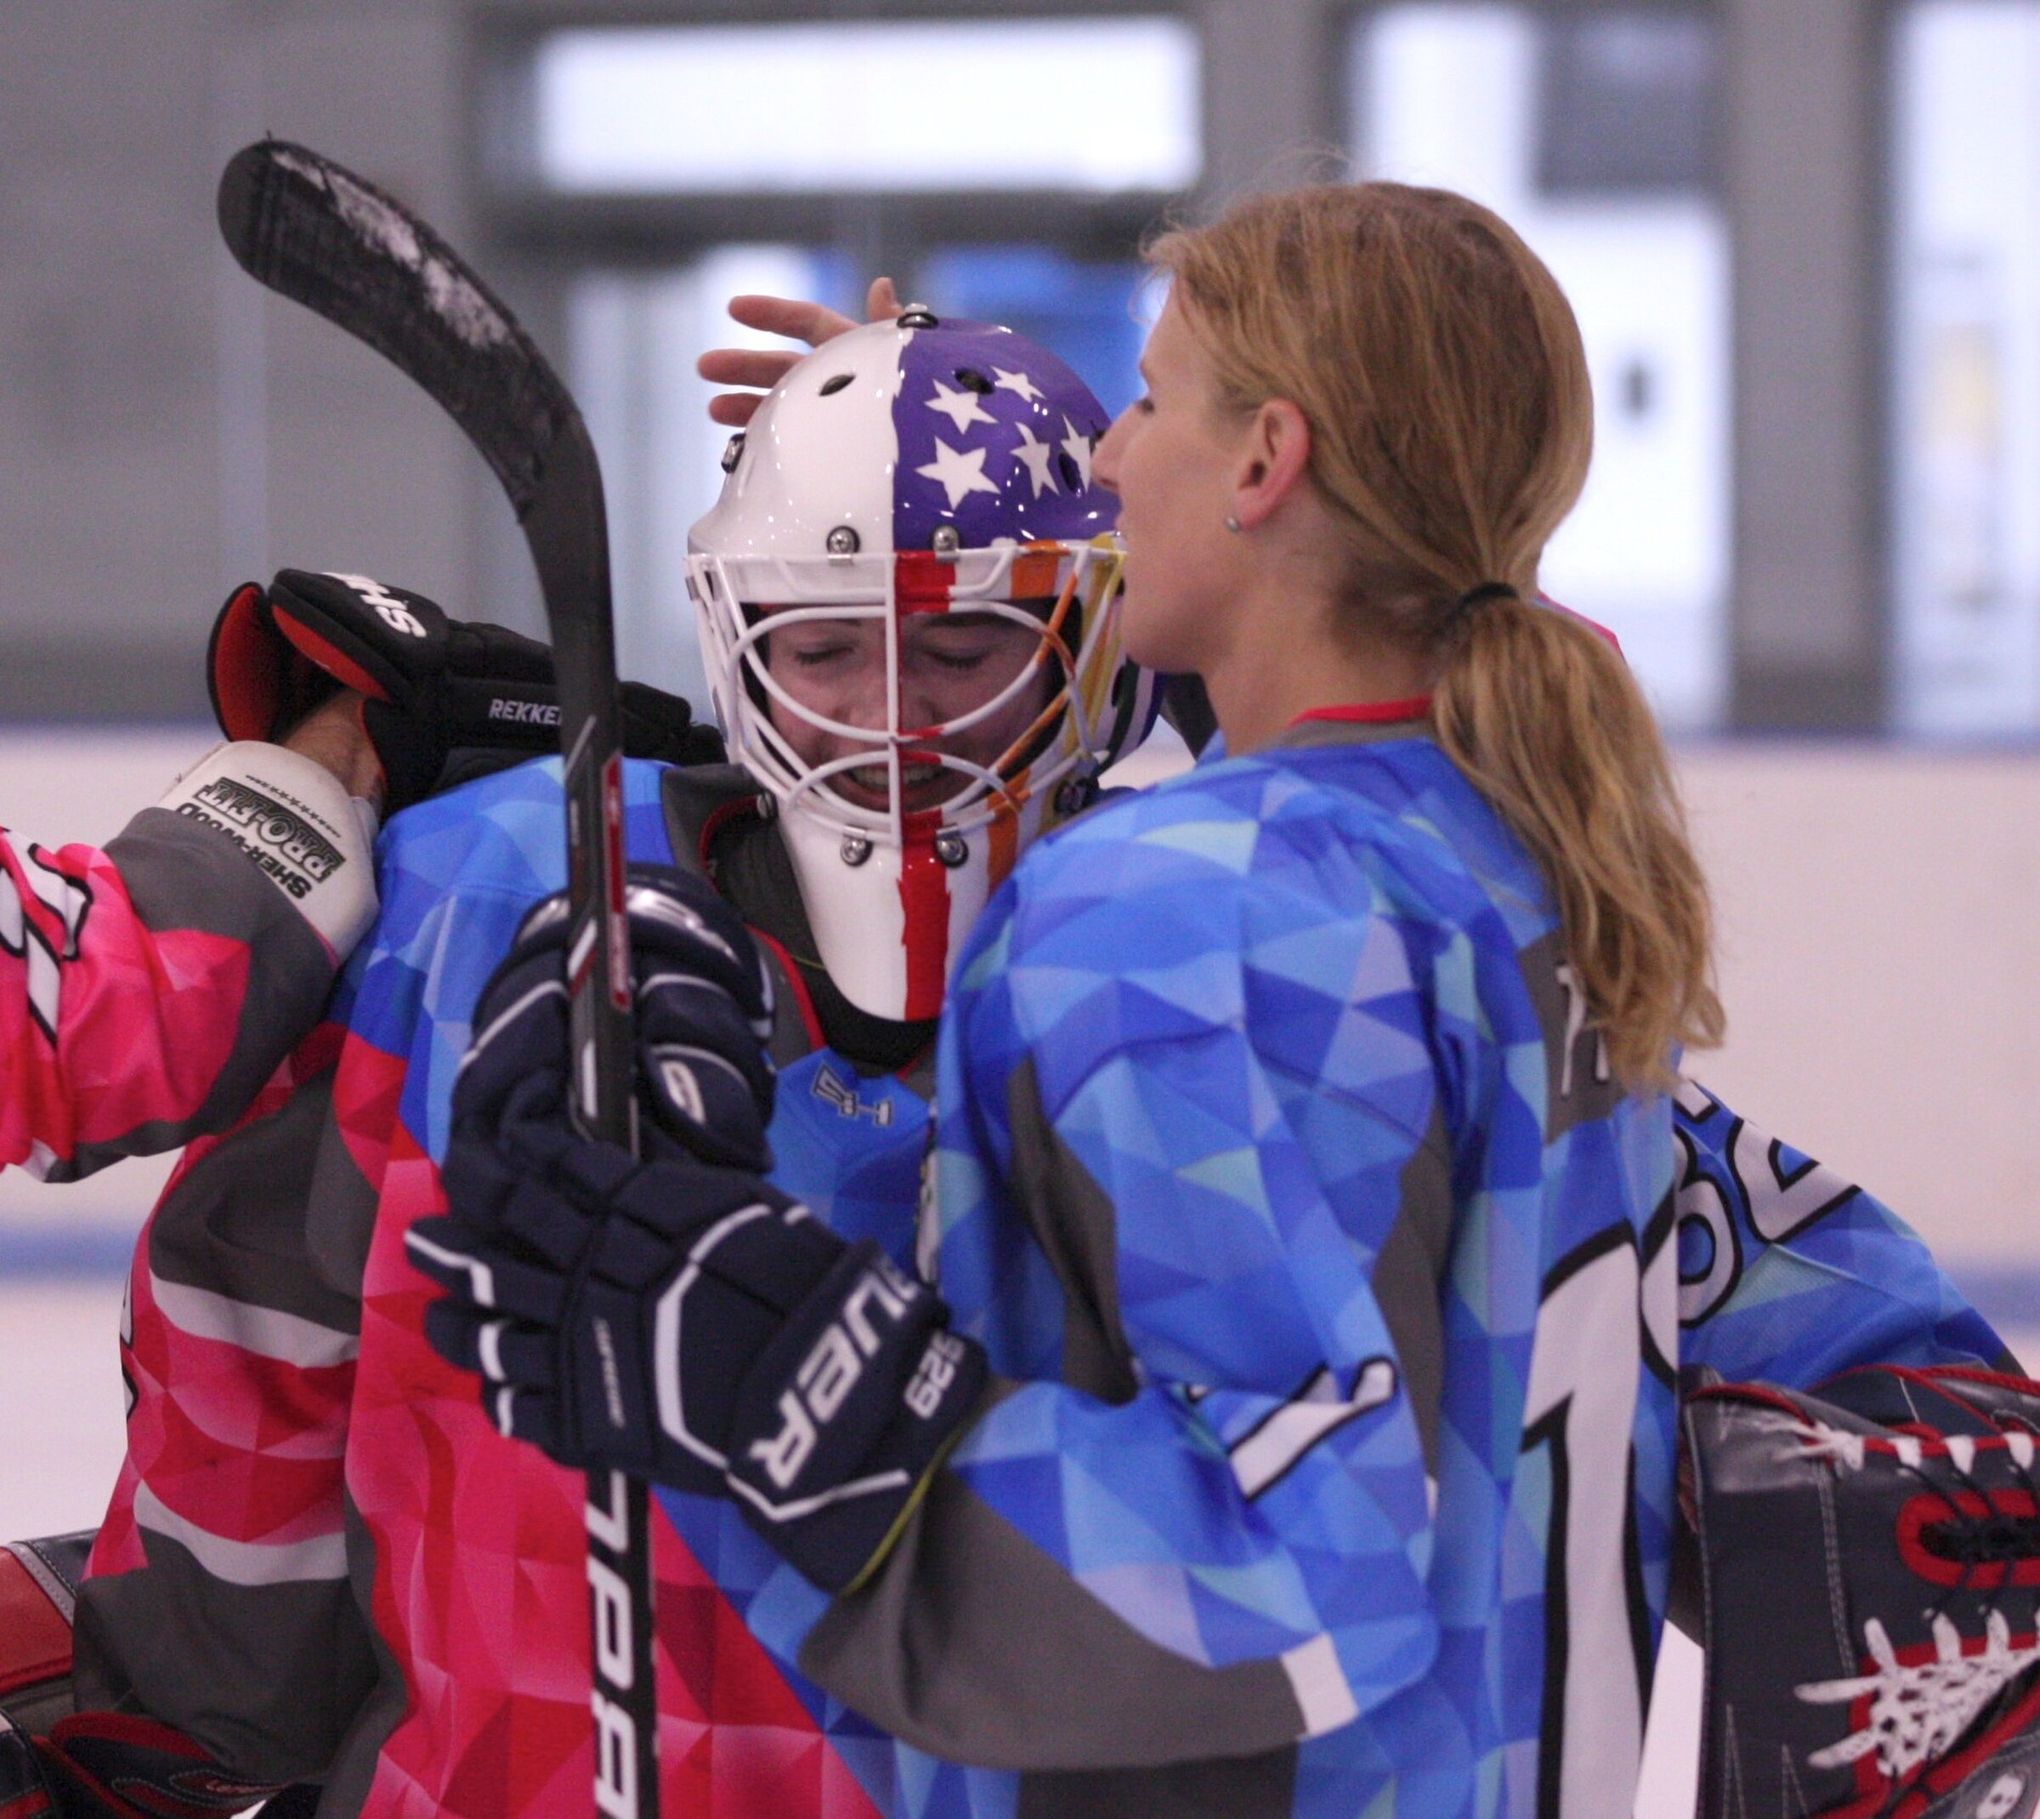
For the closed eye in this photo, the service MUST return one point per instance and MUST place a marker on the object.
(819, 655)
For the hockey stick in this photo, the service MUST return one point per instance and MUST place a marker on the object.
(316, 233)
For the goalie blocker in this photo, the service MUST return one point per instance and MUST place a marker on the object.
(1870, 1555)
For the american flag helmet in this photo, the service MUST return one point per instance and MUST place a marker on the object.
(910, 468)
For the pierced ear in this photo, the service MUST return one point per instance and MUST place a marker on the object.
(1278, 451)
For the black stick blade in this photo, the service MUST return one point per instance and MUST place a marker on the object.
(324, 237)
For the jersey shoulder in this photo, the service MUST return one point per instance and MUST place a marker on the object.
(456, 871)
(504, 833)
(1265, 901)
(1271, 842)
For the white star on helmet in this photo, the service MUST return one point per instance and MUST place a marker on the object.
(961, 408)
(958, 472)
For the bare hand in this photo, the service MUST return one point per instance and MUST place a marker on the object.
(764, 367)
(332, 734)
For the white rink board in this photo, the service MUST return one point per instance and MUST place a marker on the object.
(1879, 957)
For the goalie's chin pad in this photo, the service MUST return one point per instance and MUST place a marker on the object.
(297, 824)
(1872, 1589)
(243, 665)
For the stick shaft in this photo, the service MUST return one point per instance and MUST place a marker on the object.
(330, 240)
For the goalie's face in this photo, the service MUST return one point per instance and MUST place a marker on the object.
(971, 687)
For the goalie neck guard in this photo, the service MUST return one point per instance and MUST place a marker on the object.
(908, 485)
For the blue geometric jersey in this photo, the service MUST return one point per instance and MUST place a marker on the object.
(1334, 1292)
(1335, 1299)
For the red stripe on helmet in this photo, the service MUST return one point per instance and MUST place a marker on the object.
(921, 582)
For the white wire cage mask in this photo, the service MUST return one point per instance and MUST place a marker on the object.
(891, 890)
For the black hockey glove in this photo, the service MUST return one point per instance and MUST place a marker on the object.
(435, 686)
(676, 1316)
(1871, 1556)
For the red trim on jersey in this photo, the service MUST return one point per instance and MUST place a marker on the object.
(1370, 713)
(803, 1003)
(719, 818)
(1592, 625)
(924, 903)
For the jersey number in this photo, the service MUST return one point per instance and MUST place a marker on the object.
(1602, 1318)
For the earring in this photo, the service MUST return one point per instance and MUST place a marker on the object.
(1232, 524)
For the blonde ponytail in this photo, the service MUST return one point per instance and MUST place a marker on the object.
(1584, 780)
(1441, 372)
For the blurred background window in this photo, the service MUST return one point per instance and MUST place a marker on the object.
(1965, 364)
(1073, 104)
(1593, 133)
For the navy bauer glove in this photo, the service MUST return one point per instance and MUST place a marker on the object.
(676, 1316)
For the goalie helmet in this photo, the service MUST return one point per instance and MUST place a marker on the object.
(1871, 1563)
(909, 605)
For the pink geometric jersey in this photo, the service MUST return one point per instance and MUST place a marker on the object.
(322, 1562)
(481, 1589)
(107, 1024)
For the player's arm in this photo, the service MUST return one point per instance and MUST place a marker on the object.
(1790, 1272)
(147, 990)
(678, 1318)
(224, 1551)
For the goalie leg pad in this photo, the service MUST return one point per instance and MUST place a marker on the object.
(1871, 1563)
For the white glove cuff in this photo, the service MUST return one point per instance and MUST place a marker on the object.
(297, 823)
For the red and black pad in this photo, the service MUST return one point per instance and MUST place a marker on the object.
(113, 1765)
(38, 1594)
(1870, 1555)
(24, 1794)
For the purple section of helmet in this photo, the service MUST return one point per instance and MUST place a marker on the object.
(995, 437)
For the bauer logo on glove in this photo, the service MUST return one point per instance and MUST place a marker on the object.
(827, 1375)
(674, 1315)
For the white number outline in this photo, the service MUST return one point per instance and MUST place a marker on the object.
(1607, 1314)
